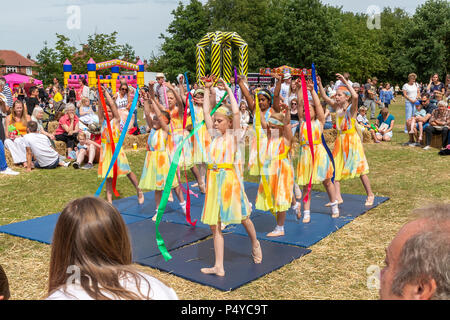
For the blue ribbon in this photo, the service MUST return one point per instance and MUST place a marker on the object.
(120, 142)
(313, 73)
(191, 107)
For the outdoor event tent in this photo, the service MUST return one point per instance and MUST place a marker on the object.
(13, 79)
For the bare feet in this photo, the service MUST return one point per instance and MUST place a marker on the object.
(370, 199)
(154, 217)
(257, 254)
(306, 218)
(214, 270)
(141, 197)
(202, 188)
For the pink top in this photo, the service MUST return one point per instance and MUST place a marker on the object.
(65, 120)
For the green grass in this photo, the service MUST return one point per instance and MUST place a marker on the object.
(335, 269)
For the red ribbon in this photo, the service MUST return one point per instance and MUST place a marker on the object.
(188, 197)
(111, 138)
(308, 130)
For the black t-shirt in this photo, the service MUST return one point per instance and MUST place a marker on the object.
(435, 87)
(31, 103)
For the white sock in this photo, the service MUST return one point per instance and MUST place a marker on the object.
(279, 228)
(335, 207)
(306, 213)
(183, 206)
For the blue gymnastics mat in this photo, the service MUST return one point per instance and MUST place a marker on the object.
(321, 224)
(41, 229)
(143, 237)
(238, 263)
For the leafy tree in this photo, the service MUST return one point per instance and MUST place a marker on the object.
(49, 66)
(189, 25)
(424, 45)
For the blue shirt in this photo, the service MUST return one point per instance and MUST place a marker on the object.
(388, 121)
(386, 96)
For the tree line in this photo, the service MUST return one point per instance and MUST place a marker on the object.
(292, 32)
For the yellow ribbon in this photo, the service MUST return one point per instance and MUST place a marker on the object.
(258, 138)
(215, 166)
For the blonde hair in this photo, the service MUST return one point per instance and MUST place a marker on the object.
(412, 75)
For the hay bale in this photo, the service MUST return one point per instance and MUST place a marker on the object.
(61, 148)
(140, 140)
(436, 141)
(9, 159)
(52, 126)
(330, 136)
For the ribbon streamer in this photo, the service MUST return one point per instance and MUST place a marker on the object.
(171, 175)
(111, 137)
(324, 142)
(120, 142)
(309, 131)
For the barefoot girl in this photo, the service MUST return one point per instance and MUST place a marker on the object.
(225, 200)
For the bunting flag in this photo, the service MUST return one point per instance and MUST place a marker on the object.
(264, 181)
(120, 142)
(169, 180)
(324, 142)
(308, 129)
(111, 137)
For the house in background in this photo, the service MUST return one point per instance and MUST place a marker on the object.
(13, 62)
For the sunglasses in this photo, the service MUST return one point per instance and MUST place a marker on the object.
(423, 101)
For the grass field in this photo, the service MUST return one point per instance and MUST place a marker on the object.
(335, 269)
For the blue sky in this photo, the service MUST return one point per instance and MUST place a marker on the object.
(25, 25)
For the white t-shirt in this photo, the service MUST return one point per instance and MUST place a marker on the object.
(411, 90)
(284, 92)
(158, 290)
(219, 94)
(42, 149)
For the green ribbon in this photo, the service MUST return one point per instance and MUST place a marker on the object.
(168, 186)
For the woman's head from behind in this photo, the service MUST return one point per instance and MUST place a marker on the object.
(91, 235)
(384, 112)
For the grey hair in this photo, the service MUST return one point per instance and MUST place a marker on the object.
(70, 106)
(2, 82)
(442, 102)
(36, 110)
(426, 255)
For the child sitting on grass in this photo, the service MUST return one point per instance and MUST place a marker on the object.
(86, 147)
(364, 124)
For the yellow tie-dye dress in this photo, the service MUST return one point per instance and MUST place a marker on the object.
(225, 198)
(157, 163)
(106, 153)
(176, 137)
(201, 140)
(322, 168)
(252, 160)
(349, 157)
(279, 173)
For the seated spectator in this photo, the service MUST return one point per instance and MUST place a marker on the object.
(68, 129)
(4, 111)
(15, 129)
(4, 285)
(4, 169)
(435, 86)
(105, 273)
(364, 124)
(428, 107)
(58, 99)
(39, 147)
(417, 259)
(384, 125)
(418, 118)
(37, 116)
(86, 148)
(87, 115)
(439, 124)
